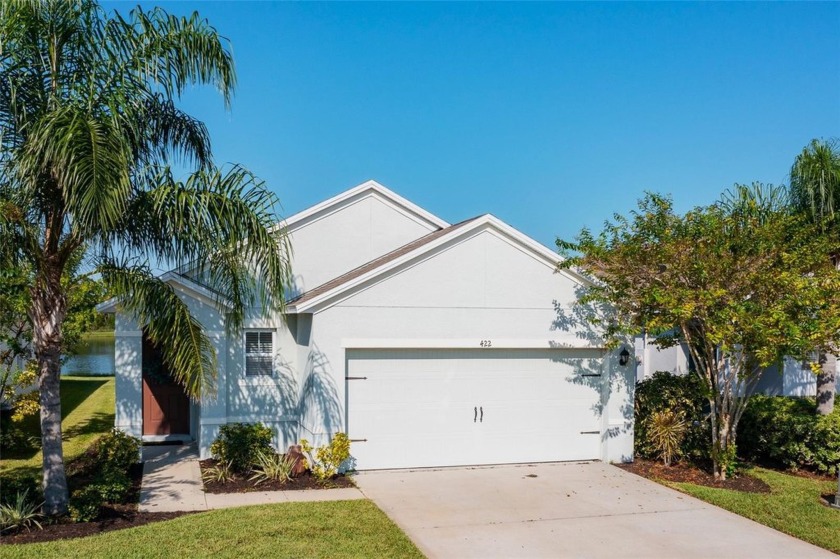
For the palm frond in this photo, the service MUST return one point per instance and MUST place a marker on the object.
(88, 160)
(174, 52)
(220, 220)
(166, 319)
(815, 181)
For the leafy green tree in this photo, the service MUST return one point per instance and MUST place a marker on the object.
(740, 289)
(815, 191)
(17, 378)
(90, 129)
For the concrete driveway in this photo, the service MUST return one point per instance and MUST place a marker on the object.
(565, 510)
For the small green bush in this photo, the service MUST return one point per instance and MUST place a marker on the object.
(220, 473)
(117, 451)
(787, 432)
(19, 513)
(270, 466)
(113, 485)
(666, 430)
(10, 487)
(85, 504)
(13, 439)
(328, 458)
(239, 443)
(684, 395)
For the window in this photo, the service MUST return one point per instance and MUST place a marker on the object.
(259, 353)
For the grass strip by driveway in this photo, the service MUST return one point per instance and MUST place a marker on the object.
(334, 529)
(87, 409)
(791, 507)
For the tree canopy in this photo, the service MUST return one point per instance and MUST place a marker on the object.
(741, 288)
(90, 134)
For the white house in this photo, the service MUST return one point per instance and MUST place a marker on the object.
(794, 377)
(429, 343)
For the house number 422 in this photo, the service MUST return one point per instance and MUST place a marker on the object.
(484, 343)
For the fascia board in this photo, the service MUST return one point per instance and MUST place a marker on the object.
(391, 197)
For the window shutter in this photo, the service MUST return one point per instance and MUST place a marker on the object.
(259, 353)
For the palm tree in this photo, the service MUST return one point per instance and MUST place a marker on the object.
(89, 131)
(815, 190)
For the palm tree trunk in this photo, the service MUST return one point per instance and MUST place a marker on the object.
(826, 386)
(48, 310)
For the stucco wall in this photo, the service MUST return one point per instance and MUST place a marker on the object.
(472, 290)
(330, 245)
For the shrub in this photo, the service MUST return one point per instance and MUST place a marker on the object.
(270, 466)
(112, 484)
(15, 440)
(19, 513)
(685, 395)
(328, 458)
(787, 432)
(239, 443)
(666, 431)
(10, 487)
(85, 504)
(220, 473)
(117, 451)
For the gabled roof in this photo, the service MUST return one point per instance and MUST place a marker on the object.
(364, 190)
(185, 283)
(327, 294)
(374, 264)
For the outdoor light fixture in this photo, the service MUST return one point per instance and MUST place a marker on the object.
(624, 357)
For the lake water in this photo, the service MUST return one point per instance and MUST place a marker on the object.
(96, 358)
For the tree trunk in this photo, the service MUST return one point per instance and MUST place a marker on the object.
(48, 311)
(826, 386)
(722, 449)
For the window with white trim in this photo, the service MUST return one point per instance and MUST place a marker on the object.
(259, 353)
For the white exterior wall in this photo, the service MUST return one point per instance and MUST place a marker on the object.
(128, 381)
(469, 292)
(327, 246)
(800, 381)
(650, 359)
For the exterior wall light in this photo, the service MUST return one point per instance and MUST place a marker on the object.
(624, 357)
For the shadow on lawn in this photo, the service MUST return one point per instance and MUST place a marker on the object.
(74, 391)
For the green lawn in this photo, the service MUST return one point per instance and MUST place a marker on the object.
(792, 507)
(331, 529)
(87, 408)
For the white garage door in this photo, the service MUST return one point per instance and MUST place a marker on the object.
(422, 408)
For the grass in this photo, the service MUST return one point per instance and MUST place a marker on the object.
(792, 506)
(87, 408)
(99, 335)
(330, 529)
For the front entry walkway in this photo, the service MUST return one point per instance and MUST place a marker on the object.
(172, 482)
(590, 510)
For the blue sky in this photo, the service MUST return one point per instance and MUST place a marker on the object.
(549, 116)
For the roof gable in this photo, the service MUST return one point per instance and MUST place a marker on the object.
(353, 195)
(376, 270)
(195, 290)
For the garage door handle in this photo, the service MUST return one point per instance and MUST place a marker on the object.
(475, 414)
(482, 415)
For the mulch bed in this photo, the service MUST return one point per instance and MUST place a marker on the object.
(113, 517)
(240, 484)
(686, 473)
(116, 520)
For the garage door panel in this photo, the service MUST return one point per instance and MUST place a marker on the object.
(416, 408)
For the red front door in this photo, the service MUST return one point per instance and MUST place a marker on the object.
(166, 408)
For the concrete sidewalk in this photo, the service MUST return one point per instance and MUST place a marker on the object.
(172, 482)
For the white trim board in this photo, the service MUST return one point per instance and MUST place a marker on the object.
(468, 343)
(370, 187)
